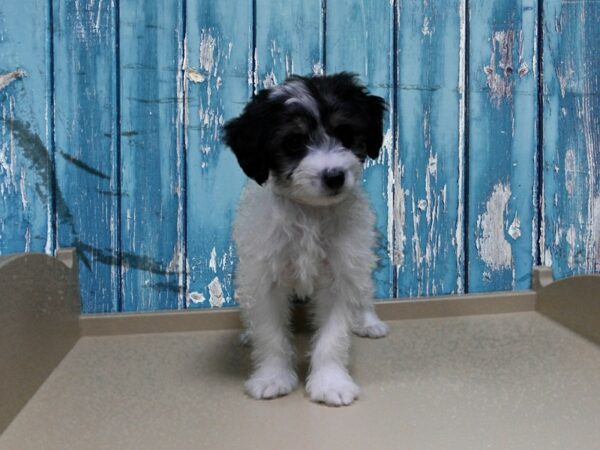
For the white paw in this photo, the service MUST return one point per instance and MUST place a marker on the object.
(333, 387)
(271, 383)
(374, 330)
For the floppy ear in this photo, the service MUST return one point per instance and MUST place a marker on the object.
(247, 135)
(375, 107)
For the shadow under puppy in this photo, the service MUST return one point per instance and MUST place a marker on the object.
(306, 229)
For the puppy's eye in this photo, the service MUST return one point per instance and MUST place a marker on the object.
(294, 142)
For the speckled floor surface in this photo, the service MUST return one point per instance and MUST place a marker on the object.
(512, 381)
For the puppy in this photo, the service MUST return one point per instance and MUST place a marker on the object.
(305, 228)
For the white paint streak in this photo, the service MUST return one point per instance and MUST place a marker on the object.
(572, 241)
(570, 171)
(216, 293)
(400, 219)
(564, 77)
(212, 264)
(27, 248)
(23, 190)
(207, 50)
(595, 226)
(176, 260)
(491, 243)
(591, 137)
(425, 28)
(8, 78)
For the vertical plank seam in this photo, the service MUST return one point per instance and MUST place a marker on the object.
(395, 18)
(184, 163)
(539, 190)
(117, 116)
(324, 37)
(253, 55)
(466, 147)
(51, 135)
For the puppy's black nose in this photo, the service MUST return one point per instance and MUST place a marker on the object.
(334, 178)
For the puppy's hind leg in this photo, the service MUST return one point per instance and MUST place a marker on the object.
(366, 323)
(267, 318)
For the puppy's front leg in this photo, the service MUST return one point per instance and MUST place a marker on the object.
(329, 381)
(267, 317)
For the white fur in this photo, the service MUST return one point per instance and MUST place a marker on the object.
(323, 252)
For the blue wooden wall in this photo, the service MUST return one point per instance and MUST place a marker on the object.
(110, 114)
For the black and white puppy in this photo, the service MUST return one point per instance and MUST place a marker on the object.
(305, 228)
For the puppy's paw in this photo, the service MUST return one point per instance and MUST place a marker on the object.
(271, 383)
(332, 386)
(373, 330)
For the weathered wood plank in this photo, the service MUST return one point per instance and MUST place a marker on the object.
(288, 40)
(429, 182)
(571, 232)
(360, 39)
(26, 160)
(86, 143)
(219, 83)
(151, 43)
(502, 144)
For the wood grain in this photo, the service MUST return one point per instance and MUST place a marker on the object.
(26, 153)
(571, 156)
(150, 55)
(502, 145)
(219, 83)
(87, 187)
(369, 52)
(430, 174)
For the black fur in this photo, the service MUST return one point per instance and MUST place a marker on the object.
(270, 135)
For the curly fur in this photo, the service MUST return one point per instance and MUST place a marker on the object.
(307, 229)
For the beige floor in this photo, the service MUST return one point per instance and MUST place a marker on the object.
(505, 381)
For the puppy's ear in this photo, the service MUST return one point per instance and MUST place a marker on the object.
(248, 135)
(375, 108)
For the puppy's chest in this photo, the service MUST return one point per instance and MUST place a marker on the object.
(304, 256)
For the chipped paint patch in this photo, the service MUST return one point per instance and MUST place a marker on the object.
(194, 76)
(196, 298)
(491, 243)
(318, 69)
(523, 69)
(270, 80)
(10, 77)
(515, 228)
(216, 293)
(500, 84)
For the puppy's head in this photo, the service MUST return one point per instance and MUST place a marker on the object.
(311, 135)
